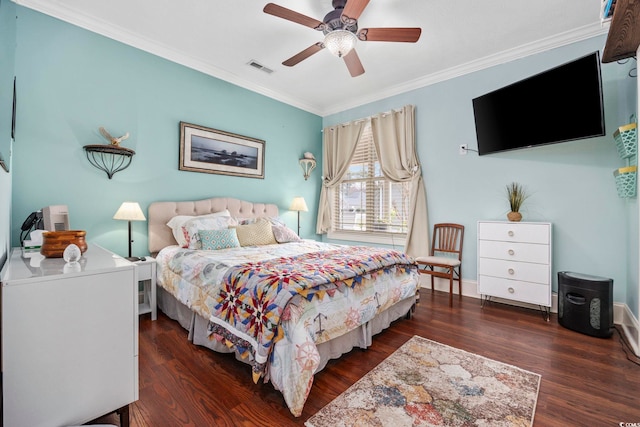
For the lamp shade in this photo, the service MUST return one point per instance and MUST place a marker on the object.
(130, 211)
(340, 42)
(298, 204)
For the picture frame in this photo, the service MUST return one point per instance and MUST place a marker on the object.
(209, 150)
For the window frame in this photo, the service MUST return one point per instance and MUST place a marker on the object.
(382, 237)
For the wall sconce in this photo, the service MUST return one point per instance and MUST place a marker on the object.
(110, 158)
(307, 163)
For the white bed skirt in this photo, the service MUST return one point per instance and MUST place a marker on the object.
(360, 337)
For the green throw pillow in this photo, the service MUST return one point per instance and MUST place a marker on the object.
(212, 240)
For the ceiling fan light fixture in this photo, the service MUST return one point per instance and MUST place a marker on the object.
(340, 42)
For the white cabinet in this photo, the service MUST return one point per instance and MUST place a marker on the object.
(69, 338)
(514, 261)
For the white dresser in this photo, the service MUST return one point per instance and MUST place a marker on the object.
(514, 261)
(69, 338)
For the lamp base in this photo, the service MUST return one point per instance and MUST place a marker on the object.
(135, 258)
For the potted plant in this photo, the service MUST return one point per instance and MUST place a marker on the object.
(516, 195)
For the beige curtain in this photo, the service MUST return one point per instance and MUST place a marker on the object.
(339, 144)
(394, 139)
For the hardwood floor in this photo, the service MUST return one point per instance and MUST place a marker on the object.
(586, 381)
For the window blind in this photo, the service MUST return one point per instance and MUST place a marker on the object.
(366, 201)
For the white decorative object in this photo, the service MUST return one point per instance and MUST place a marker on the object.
(307, 166)
(113, 140)
(72, 253)
(309, 155)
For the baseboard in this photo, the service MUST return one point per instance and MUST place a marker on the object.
(630, 327)
(622, 315)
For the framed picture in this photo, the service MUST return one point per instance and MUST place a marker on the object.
(214, 151)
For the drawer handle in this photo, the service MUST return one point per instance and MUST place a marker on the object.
(511, 290)
(511, 252)
(511, 271)
(510, 233)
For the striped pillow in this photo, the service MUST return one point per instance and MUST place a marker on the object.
(213, 240)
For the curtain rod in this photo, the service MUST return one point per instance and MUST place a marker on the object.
(386, 113)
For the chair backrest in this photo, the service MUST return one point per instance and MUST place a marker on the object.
(447, 240)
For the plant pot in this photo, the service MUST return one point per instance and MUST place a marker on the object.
(514, 216)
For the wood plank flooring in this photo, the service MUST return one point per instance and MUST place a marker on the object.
(586, 381)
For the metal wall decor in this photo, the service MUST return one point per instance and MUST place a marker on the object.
(110, 158)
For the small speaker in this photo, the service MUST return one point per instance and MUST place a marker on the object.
(585, 303)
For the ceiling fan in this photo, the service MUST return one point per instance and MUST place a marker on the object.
(340, 27)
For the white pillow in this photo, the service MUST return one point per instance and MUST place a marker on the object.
(274, 220)
(177, 222)
(193, 227)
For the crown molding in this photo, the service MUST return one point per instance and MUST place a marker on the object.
(56, 10)
(503, 57)
(59, 11)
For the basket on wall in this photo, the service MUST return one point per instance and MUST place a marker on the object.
(626, 138)
(626, 181)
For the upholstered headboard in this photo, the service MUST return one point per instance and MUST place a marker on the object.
(161, 212)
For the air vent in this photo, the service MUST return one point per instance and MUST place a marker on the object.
(259, 66)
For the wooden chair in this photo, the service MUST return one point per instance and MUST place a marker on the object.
(445, 257)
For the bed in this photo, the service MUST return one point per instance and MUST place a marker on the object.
(240, 281)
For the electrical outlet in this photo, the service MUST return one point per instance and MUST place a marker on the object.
(463, 149)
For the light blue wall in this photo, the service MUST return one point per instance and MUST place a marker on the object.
(572, 185)
(7, 52)
(72, 81)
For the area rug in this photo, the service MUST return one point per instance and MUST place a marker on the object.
(425, 383)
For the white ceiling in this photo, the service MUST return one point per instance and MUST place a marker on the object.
(220, 38)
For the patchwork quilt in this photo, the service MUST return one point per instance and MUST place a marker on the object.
(274, 304)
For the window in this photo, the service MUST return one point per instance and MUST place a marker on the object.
(366, 202)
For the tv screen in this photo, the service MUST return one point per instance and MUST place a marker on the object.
(558, 105)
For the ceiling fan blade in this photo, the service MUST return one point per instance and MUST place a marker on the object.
(353, 63)
(410, 35)
(353, 9)
(314, 48)
(290, 15)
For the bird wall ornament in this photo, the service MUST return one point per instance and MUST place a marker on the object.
(111, 139)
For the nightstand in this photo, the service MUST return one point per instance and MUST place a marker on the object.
(147, 287)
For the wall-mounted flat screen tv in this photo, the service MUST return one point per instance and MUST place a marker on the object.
(558, 105)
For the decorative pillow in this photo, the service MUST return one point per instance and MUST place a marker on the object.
(274, 220)
(258, 233)
(284, 234)
(213, 240)
(193, 226)
(177, 222)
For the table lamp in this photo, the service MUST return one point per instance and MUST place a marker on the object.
(298, 204)
(130, 211)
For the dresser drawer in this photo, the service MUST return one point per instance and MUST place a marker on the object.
(533, 293)
(529, 252)
(145, 270)
(514, 270)
(514, 232)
